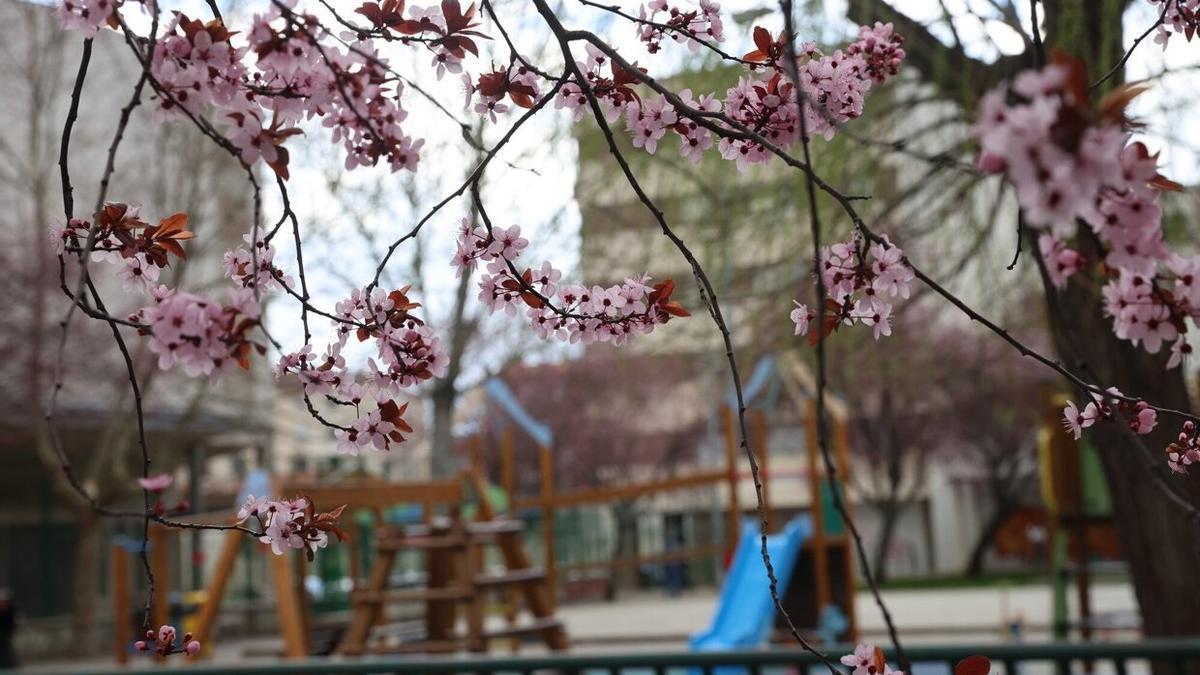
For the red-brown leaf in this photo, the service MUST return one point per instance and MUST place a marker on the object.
(762, 40)
(532, 300)
(973, 665)
(172, 224)
(388, 410)
(1161, 182)
(1077, 77)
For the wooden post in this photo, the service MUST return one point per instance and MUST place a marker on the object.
(361, 533)
(1083, 579)
(546, 462)
(731, 467)
(817, 508)
(515, 558)
(473, 562)
(841, 444)
(301, 595)
(366, 615)
(764, 473)
(475, 447)
(508, 476)
(291, 624)
(216, 590)
(160, 608)
(122, 630)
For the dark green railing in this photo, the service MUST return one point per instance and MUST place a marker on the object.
(1178, 656)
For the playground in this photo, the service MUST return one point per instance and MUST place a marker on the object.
(500, 559)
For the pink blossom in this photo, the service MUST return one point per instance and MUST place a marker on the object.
(156, 483)
(892, 274)
(802, 317)
(251, 508)
(1076, 421)
(85, 16)
(137, 274)
(1144, 418)
(868, 659)
(252, 265)
(1061, 262)
(881, 319)
(1181, 349)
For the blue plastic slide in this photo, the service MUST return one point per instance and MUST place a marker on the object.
(745, 612)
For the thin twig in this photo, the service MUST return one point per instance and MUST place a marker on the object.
(709, 297)
(822, 420)
(1137, 41)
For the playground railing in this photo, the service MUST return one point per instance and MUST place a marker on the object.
(1178, 656)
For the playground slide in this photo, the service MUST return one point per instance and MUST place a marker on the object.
(745, 612)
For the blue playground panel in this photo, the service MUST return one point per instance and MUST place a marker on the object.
(745, 611)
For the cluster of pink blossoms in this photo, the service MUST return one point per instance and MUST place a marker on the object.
(290, 68)
(200, 335)
(120, 237)
(834, 86)
(1182, 17)
(162, 642)
(253, 264)
(516, 81)
(1072, 164)
(1141, 417)
(661, 19)
(868, 660)
(291, 523)
(616, 314)
(189, 330)
(299, 72)
(1185, 451)
(408, 353)
(613, 89)
(859, 282)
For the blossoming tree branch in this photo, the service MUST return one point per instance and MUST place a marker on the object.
(251, 88)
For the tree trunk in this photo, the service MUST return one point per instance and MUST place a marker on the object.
(984, 541)
(889, 512)
(626, 548)
(87, 567)
(1158, 540)
(443, 463)
(442, 460)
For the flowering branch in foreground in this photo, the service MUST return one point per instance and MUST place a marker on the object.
(162, 642)
(250, 89)
(293, 523)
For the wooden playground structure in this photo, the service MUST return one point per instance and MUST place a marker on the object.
(456, 582)
(459, 582)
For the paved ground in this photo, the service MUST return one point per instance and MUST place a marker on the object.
(652, 622)
(923, 616)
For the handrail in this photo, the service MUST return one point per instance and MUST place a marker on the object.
(1177, 650)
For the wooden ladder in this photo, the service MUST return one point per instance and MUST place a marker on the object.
(455, 580)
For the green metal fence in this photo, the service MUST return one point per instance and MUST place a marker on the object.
(1177, 656)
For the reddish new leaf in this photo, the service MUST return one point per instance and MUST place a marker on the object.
(973, 665)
